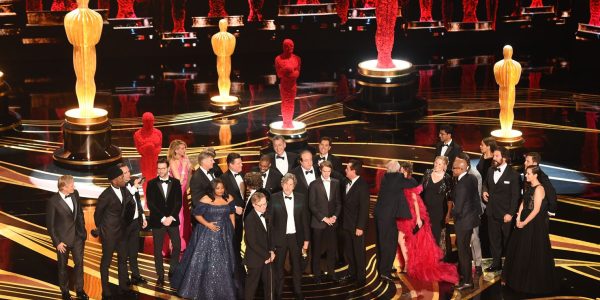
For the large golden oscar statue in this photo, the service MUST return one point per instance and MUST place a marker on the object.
(86, 131)
(507, 73)
(223, 44)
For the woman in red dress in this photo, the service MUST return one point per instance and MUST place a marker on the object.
(422, 256)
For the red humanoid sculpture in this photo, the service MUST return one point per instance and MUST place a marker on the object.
(342, 10)
(386, 13)
(425, 6)
(125, 9)
(178, 15)
(470, 10)
(63, 5)
(287, 66)
(255, 13)
(536, 3)
(595, 12)
(216, 8)
(148, 142)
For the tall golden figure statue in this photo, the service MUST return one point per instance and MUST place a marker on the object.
(223, 44)
(507, 73)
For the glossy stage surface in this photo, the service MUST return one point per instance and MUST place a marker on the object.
(557, 110)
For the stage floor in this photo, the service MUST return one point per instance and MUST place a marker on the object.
(558, 117)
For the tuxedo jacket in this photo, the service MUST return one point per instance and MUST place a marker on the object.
(279, 218)
(335, 161)
(453, 150)
(138, 205)
(302, 185)
(112, 215)
(199, 186)
(292, 159)
(258, 241)
(321, 206)
(160, 206)
(355, 208)
(273, 181)
(64, 225)
(248, 208)
(232, 188)
(467, 203)
(503, 195)
(391, 202)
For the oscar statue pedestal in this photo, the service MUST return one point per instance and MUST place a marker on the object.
(87, 141)
(136, 29)
(588, 32)
(470, 26)
(234, 23)
(535, 12)
(46, 27)
(387, 97)
(425, 28)
(295, 137)
(179, 40)
(307, 16)
(224, 104)
(9, 120)
(513, 142)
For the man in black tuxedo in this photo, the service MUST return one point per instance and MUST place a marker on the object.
(253, 182)
(355, 214)
(534, 159)
(501, 192)
(133, 226)
(325, 203)
(164, 202)
(216, 170)
(466, 211)
(114, 210)
(391, 204)
(290, 220)
(66, 227)
(260, 254)
(201, 178)
(271, 177)
(284, 161)
(234, 185)
(325, 155)
(446, 146)
(305, 173)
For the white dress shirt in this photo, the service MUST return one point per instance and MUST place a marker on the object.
(498, 174)
(349, 185)
(445, 148)
(165, 186)
(67, 200)
(321, 158)
(289, 207)
(118, 193)
(327, 185)
(210, 176)
(281, 164)
(132, 190)
(310, 177)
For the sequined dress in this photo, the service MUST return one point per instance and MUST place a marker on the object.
(206, 270)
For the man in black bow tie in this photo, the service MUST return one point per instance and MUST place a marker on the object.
(164, 202)
(447, 146)
(284, 161)
(66, 227)
(234, 185)
(305, 173)
(501, 192)
(324, 154)
(271, 176)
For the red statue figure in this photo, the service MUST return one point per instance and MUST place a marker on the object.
(287, 66)
(342, 10)
(426, 10)
(148, 142)
(255, 13)
(178, 15)
(34, 5)
(536, 3)
(595, 12)
(470, 10)
(386, 13)
(129, 105)
(125, 9)
(216, 8)
(63, 5)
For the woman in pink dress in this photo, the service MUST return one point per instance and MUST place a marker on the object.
(421, 254)
(180, 168)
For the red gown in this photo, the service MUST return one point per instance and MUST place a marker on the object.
(424, 255)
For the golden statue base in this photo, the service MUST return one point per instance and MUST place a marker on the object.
(224, 104)
(514, 143)
(470, 26)
(296, 134)
(87, 141)
(236, 22)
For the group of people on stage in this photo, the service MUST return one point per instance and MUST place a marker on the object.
(297, 206)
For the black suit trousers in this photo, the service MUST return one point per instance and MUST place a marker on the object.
(158, 234)
(267, 274)
(291, 244)
(463, 243)
(132, 238)
(63, 258)
(499, 233)
(324, 240)
(387, 243)
(109, 245)
(354, 250)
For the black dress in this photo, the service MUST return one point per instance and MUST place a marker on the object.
(529, 265)
(434, 197)
(484, 165)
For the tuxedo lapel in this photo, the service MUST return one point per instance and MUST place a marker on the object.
(64, 205)
(169, 186)
(303, 178)
(162, 191)
(75, 201)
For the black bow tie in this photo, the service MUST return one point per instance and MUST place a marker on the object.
(280, 157)
(308, 172)
(261, 216)
(321, 158)
(264, 174)
(446, 145)
(497, 169)
(68, 196)
(211, 171)
(238, 174)
(288, 197)
(165, 181)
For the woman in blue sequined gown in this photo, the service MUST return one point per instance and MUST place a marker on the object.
(206, 270)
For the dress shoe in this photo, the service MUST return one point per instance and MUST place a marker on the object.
(138, 280)
(82, 295)
(160, 281)
(478, 270)
(494, 268)
(464, 286)
(66, 296)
